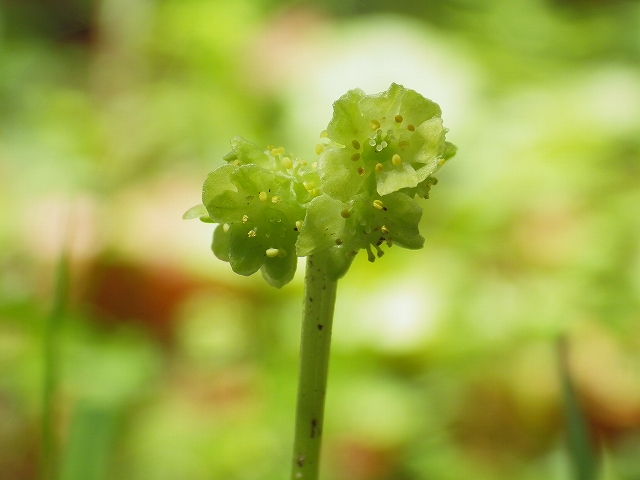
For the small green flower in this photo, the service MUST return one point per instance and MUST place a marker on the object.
(365, 222)
(259, 211)
(381, 143)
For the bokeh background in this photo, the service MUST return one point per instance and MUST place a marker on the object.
(166, 365)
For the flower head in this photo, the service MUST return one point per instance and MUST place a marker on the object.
(381, 152)
(257, 200)
(381, 143)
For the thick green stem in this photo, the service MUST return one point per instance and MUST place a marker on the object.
(315, 343)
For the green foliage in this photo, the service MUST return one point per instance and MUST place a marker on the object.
(380, 151)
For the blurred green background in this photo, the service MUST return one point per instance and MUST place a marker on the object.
(165, 365)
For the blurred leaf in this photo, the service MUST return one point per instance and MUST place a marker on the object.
(88, 449)
(581, 447)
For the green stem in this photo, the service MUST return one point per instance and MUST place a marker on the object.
(315, 343)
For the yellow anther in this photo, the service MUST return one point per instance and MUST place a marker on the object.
(355, 144)
(314, 192)
(314, 165)
(237, 163)
(275, 199)
(272, 252)
(398, 118)
(270, 147)
(384, 229)
(319, 149)
(379, 167)
(345, 214)
(411, 128)
(361, 171)
(324, 134)
(303, 163)
(251, 233)
(225, 227)
(309, 185)
(274, 151)
(287, 163)
(263, 196)
(403, 144)
(298, 225)
(374, 124)
(378, 204)
(396, 159)
(245, 218)
(280, 150)
(355, 157)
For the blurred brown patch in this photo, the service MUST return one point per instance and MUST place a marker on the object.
(119, 291)
(493, 427)
(354, 459)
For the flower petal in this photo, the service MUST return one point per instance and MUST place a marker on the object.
(393, 179)
(220, 243)
(217, 182)
(321, 225)
(339, 174)
(347, 122)
(403, 217)
(279, 271)
(247, 153)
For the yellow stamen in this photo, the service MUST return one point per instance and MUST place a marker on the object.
(345, 214)
(374, 124)
(324, 134)
(396, 160)
(245, 218)
(251, 233)
(225, 227)
(379, 167)
(272, 252)
(398, 118)
(275, 199)
(319, 149)
(298, 225)
(263, 196)
(378, 204)
(384, 229)
(411, 128)
(287, 163)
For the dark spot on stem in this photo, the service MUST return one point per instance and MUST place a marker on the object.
(300, 460)
(310, 299)
(320, 326)
(314, 424)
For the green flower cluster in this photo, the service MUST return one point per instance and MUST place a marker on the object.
(379, 152)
